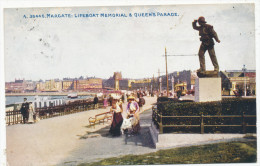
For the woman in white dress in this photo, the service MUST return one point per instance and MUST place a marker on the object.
(31, 112)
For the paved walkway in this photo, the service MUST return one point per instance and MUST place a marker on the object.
(103, 145)
(68, 140)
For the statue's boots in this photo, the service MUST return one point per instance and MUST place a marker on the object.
(201, 70)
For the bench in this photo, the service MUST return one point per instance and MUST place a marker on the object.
(100, 118)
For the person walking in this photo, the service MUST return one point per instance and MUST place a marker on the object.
(110, 99)
(24, 110)
(95, 102)
(207, 34)
(123, 98)
(117, 121)
(141, 102)
(105, 102)
(132, 110)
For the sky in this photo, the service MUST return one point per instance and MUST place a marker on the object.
(49, 48)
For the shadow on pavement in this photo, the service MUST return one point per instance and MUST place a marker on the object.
(100, 144)
(143, 138)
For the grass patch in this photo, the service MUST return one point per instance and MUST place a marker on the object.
(231, 152)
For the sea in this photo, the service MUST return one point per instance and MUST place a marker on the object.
(19, 99)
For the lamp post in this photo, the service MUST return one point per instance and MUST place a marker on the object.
(244, 70)
(166, 73)
(160, 85)
(172, 85)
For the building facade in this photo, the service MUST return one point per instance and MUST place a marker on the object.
(238, 81)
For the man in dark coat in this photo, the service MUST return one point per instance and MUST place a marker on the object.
(207, 34)
(24, 110)
(95, 102)
(141, 102)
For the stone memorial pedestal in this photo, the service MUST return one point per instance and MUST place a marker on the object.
(208, 89)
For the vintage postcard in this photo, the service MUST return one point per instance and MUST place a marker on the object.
(130, 84)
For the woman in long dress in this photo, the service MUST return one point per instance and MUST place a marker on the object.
(117, 110)
(105, 102)
(31, 112)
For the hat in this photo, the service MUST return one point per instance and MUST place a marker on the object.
(131, 98)
(202, 19)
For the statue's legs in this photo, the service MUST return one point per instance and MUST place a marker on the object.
(202, 58)
(213, 58)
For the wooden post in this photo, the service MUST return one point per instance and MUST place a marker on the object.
(21, 117)
(9, 118)
(14, 117)
(243, 123)
(17, 120)
(202, 125)
(160, 125)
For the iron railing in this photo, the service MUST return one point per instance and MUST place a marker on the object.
(15, 117)
(160, 121)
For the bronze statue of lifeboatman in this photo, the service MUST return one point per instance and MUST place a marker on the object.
(207, 34)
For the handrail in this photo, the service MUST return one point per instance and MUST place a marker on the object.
(15, 116)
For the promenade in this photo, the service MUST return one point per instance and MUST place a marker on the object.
(68, 140)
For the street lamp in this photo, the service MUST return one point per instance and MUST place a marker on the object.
(173, 85)
(244, 70)
(160, 85)
(167, 83)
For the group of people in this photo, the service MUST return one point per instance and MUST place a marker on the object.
(132, 111)
(28, 112)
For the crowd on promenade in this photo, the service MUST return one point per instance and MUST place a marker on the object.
(132, 110)
(114, 100)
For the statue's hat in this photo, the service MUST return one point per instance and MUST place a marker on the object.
(202, 19)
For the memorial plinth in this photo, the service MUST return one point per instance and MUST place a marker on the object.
(207, 89)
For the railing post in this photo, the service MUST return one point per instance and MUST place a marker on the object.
(13, 117)
(21, 118)
(16, 117)
(243, 123)
(9, 118)
(160, 125)
(202, 125)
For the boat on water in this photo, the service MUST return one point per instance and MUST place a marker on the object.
(72, 95)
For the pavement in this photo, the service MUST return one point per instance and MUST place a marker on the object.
(103, 145)
(69, 140)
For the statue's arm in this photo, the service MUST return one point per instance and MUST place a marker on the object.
(194, 25)
(215, 35)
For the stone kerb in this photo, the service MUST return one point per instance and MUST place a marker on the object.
(179, 140)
